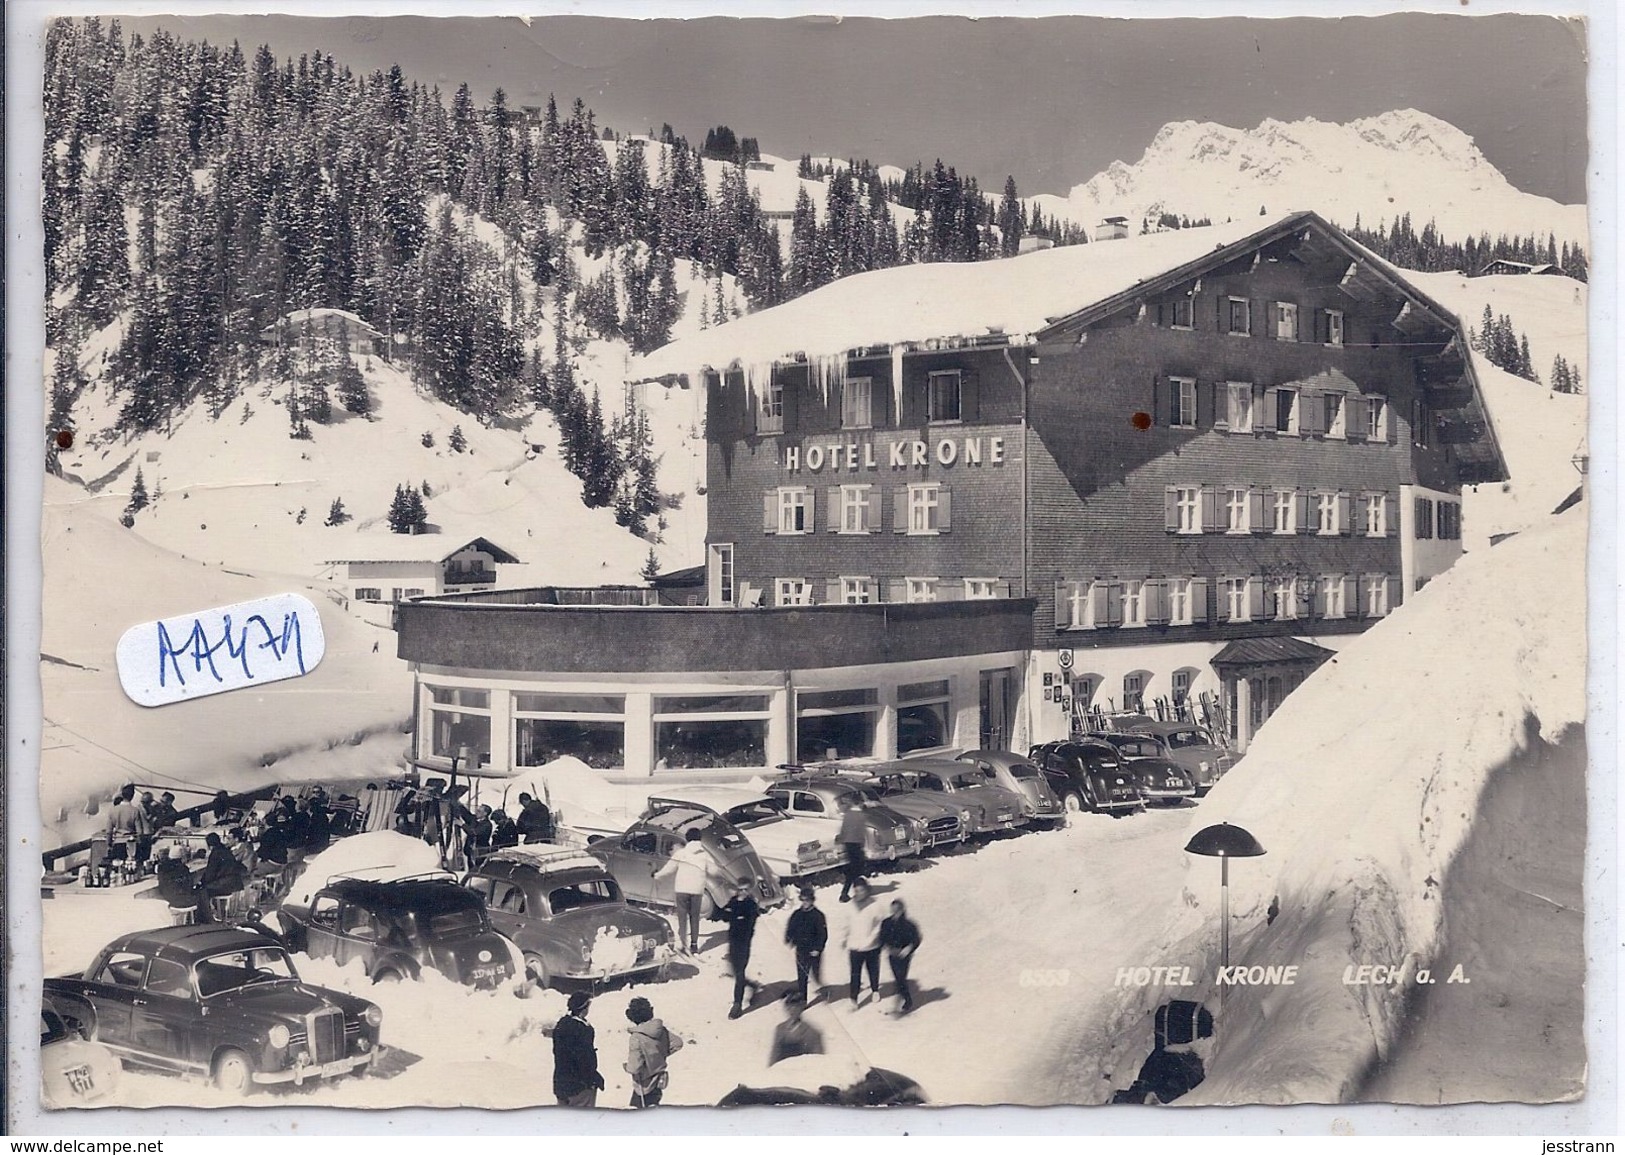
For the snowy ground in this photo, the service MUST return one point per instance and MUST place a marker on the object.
(1014, 932)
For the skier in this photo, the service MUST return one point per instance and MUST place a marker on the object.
(576, 1081)
(863, 939)
(900, 937)
(741, 913)
(807, 934)
(649, 1045)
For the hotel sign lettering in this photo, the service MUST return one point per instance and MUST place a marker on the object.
(853, 456)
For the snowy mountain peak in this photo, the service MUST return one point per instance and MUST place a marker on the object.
(1376, 168)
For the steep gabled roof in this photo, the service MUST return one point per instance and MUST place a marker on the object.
(425, 547)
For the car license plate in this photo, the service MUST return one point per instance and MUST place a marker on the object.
(80, 1080)
(479, 973)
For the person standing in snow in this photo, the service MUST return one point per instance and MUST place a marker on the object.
(794, 1035)
(649, 1045)
(741, 913)
(807, 935)
(863, 939)
(851, 837)
(576, 1081)
(900, 938)
(688, 869)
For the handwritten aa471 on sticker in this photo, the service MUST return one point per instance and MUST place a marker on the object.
(212, 651)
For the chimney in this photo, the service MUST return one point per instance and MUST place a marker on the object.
(1112, 229)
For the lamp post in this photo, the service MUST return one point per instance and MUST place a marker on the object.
(1224, 842)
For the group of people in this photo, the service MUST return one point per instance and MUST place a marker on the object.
(132, 825)
(441, 820)
(576, 1078)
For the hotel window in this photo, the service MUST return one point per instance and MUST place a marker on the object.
(1424, 518)
(1181, 683)
(1333, 414)
(1182, 509)
(1133, 693)
(921, 589)
(1286, 321)
(924, 508)
(721, 577)
(1240, 316)
(1331, 596)
(1374, 514)
(1284, 598)
(857, 403)
(922, 715)
(858, 508)
(1073, 606)
(1376, 419)
(1182, 311)
(1239, 410)
(1421, 423)
(704, 731)
(836, 724)
(1285, 511)
(459, 717)
(1374, 600)
(858, 591)
(1331, 512)
(1183, 595)
(369, 594)
(1134, 598)
(770, 408)
(982, 589)
(591, 727)
(795, 509)
(1235, 509)
(1182, 402)
(792, 592)
(943, 396)
(1334, 328)
(1236, 602)
(1283, 416)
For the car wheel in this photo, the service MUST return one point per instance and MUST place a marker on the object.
(536, 970)
(1074, 802)
(387, 975)
(233, 1073)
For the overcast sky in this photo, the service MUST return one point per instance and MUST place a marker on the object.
(1051, 101)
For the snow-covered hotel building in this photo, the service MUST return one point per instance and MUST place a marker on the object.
(961, 504)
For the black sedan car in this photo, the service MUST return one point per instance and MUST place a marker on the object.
(400, 927)
(1088, 775)
(1160, 780)
(223, 1002)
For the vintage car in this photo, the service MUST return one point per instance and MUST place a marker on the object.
(1088, 775)
(74, 1072)
(1040, 803)
(890, 832)
(565, 912)
(990, 808)
(1192, 747)
(225, 1002)
(1157, 778)
(636, 856)
(398, 927)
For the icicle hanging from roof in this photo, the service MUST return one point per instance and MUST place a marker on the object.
(897, 380)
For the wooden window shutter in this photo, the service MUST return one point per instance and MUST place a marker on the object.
(897, 590)
(1098, 600)
(1272, 411)
(1222, 321)
(1199, 607)
(770, 511)
(871, 509)
(1355, 416)
(1357, 523)
(951, 590)
(832, 592)
(970, 394)
(1159, 414)
(1311, 414)
(1303, 501)
(1114, 603)
(1262, 417)
(1351, 596)
(1210, 509)
(1170, 508)
(872, 587)
(1255, 598)
(899, 510)
(1389, 529)
(1390, 427)
(811, 515)
(1257, 314)
(945, 510)
(1258, 518)
(1303, 588)
(1156, 602)
(1063, 606)
(832, 508)
(1206, 417)
(1345, 522)
(1396, 592)
(1222, 600)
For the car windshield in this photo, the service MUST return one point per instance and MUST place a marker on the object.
(754, 813)
(233, 970)
(587, 892)
(1136, 747)
(1180, 739)
(51, 1027)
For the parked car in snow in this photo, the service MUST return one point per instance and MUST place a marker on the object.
(74, 1072)
(1192, 747)
(890, 832)
(400, 927)
(1018, 774)
(989, 806)
(225, 1002)
(1088, 775)
(565, 912)
(1157, 778)
(636, 855)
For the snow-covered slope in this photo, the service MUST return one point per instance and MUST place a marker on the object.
(1377, 168)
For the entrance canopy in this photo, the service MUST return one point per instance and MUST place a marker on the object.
(1268, 652)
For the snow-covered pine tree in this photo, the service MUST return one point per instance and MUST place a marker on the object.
(336, 514)
(457, 442)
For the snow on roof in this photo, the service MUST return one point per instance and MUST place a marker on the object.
(906, 303)
(300, 316)
(425, 547)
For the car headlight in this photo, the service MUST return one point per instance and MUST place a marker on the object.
(373, 1015)
(278, 1036)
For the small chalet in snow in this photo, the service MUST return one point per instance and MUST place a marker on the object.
(1501, 267)
(308, 330)
(391, 567)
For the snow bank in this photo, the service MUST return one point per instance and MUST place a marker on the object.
(1362, 788)
(381, 854)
